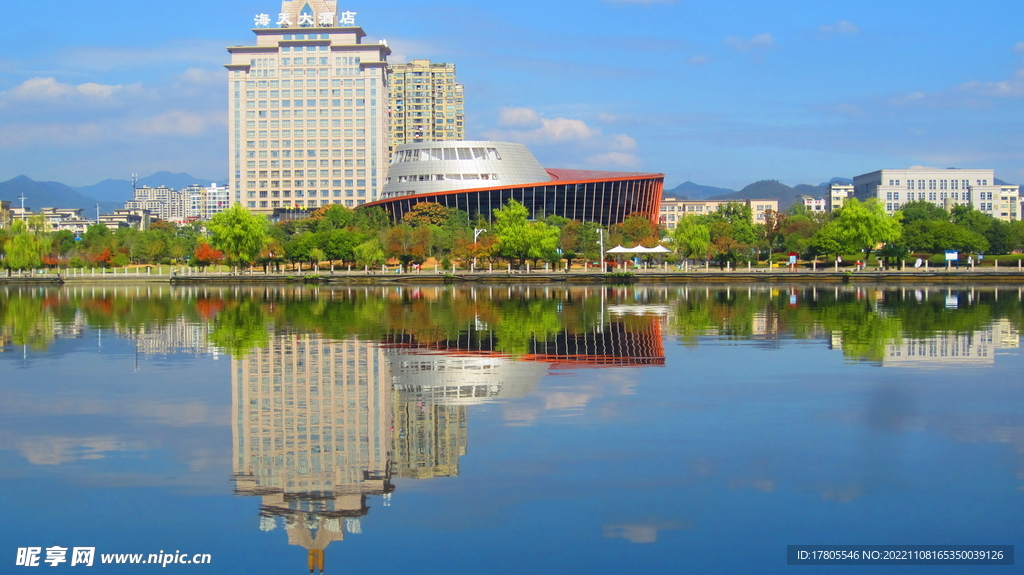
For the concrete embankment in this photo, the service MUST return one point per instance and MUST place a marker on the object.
(703, 276)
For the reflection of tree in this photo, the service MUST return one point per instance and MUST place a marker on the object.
(865, 332)
(523, 322)
(240, 328)
(27, 321)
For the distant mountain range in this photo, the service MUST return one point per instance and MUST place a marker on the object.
(109, 194)
(692, 191)
(121, 190)
(762, 190)
(51, 195)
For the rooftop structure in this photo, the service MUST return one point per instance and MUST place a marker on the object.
(481, 176)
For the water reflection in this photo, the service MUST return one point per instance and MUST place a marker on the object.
(341, 397)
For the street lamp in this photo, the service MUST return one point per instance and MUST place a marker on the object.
(600, 240)
(476, 234)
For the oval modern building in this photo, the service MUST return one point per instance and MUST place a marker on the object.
(478, 177)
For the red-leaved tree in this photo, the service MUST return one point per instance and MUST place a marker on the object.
(207, 254)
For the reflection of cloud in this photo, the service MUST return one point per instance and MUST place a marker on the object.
(841, 493)
(762, 485)
(50, 450)
(640, 532)
(178, 414)
(564, 400)
(704, 466)
(519, 415)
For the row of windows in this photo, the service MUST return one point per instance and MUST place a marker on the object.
(312, 164)
(932, 196)
(438, 154)
(300, 124)
(358, 83)
(358, 103)
(323, 93)
(300, 204)
(307, 37)
(307, 48)
(298, 183)
(442, 177)
(306, 143)
(306, 193)
(312, 173)
(939, 184)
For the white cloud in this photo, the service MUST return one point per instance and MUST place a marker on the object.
(761, 41)
(606, 118)
(595, 148)
(617, 159)
(49, 89)
(1018, 47)
(518, 118)
(699, 60)
(1011, 88)
(842, 27)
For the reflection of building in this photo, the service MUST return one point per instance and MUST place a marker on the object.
(312, 435)
(947, 349)
(480, 176)
(429, 438)
(180, 336)
(308, 111)
(426, 103)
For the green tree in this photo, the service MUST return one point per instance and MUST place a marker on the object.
(23, 248)
(923, 210)
(510, 227)
(239, 233)
(691, 237)
(864, 225)
(369, 253)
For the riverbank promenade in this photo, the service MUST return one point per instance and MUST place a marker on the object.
(665, 273)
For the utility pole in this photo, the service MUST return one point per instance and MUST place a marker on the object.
(22, 198)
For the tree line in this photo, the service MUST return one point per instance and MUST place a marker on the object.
(332, 235)
(857, 228)
(367, 237)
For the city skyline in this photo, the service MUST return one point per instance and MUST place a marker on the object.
(721, 96)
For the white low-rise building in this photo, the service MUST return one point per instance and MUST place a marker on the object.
(942, 187)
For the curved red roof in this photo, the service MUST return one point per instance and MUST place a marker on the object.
(572, 175)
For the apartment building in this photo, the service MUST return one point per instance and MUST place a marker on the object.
(427, 104)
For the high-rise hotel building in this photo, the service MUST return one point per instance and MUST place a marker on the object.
(427, 105)
(307, 110)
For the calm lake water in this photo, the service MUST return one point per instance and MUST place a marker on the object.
(509, 429)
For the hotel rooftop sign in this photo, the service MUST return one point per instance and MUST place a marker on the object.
(306, 19)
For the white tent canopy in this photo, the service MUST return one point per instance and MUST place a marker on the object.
(639, 250)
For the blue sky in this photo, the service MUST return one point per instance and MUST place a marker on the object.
(722, 93)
